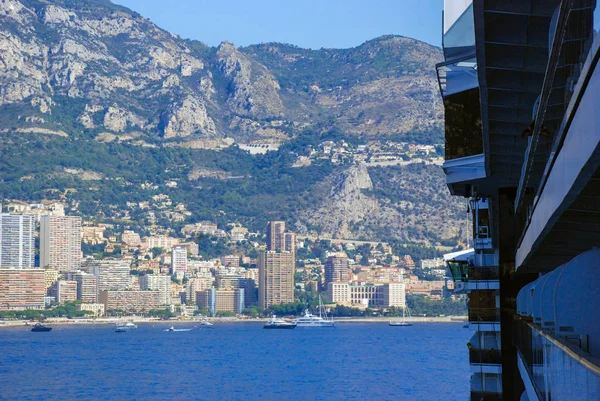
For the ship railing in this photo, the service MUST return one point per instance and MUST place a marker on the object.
(557, 369)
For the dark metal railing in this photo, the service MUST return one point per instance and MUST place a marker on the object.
(485, 356)
(484, 315)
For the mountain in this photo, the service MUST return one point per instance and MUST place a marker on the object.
(79, 79)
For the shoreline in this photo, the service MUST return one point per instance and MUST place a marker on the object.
(137, 319)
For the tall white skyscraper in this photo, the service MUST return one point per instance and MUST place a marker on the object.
(60, 242)
(179, 261)
(16, 241)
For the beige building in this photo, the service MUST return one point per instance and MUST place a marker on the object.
(221, 300)
(111, 274)
(96, 309)
(87, 287)
(276, 278)
(93, 235)
(162, 284)
(367, 295)
(60, 243)
(130, 301)
(64, 291)
(50, 277)
(196, 284)
(336, 269)
(230, 261)
(22, 289)
(131, 238)
(275, 236)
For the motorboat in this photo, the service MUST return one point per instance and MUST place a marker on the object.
(276, 323)
(310, 320)
(121, 328)
(40, 327)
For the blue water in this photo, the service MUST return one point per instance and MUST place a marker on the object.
(236, 361)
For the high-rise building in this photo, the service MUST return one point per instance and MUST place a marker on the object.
(276, 278)
(162, 284)
(50, 277)
(179, 261)
(336, 270)
(87, 287)
(275, 236)
(16, 241)
(111, 274)
(289, 240)
(22, 289)
(60, 242)
(221, 300)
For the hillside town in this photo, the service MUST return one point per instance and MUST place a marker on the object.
(50, 259)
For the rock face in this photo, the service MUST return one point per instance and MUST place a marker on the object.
(69, 57)
(407, 204)
(186, 118)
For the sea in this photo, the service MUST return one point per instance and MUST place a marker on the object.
(236, 361)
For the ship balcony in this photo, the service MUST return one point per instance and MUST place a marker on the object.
(486, 386)
(479, 356)
(483, 239)
(484, 315)
(553, 368)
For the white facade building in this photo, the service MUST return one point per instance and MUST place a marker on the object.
(16, 241)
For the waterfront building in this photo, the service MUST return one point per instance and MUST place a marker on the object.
(111, 274)
(22, 289)
(87, 287)
(60, 242)
(130, 301)
(367, 295)
(162, 284)
(520, 84)
(336, 269)
(16, 241)
(179, 261)
(276, 278)
(96, 309)
(221, 300)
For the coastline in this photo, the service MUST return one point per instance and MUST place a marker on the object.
(138, 319)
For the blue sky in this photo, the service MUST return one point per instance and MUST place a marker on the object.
(305, 23)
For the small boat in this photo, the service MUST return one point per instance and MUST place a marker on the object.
(121, 328)
(172, 328)
(40, 327)
(206, 323)
(310, 320)
(275, 323)
(403, 322)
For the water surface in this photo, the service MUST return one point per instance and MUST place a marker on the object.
(236, 361)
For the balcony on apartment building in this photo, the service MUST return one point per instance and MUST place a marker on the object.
(558, 335)
(486, 387)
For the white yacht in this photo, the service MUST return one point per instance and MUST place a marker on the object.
(310, 320)
(121, 328)
(276, 323)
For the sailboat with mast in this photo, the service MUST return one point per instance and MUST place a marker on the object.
(310, 320)
(403, 322)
